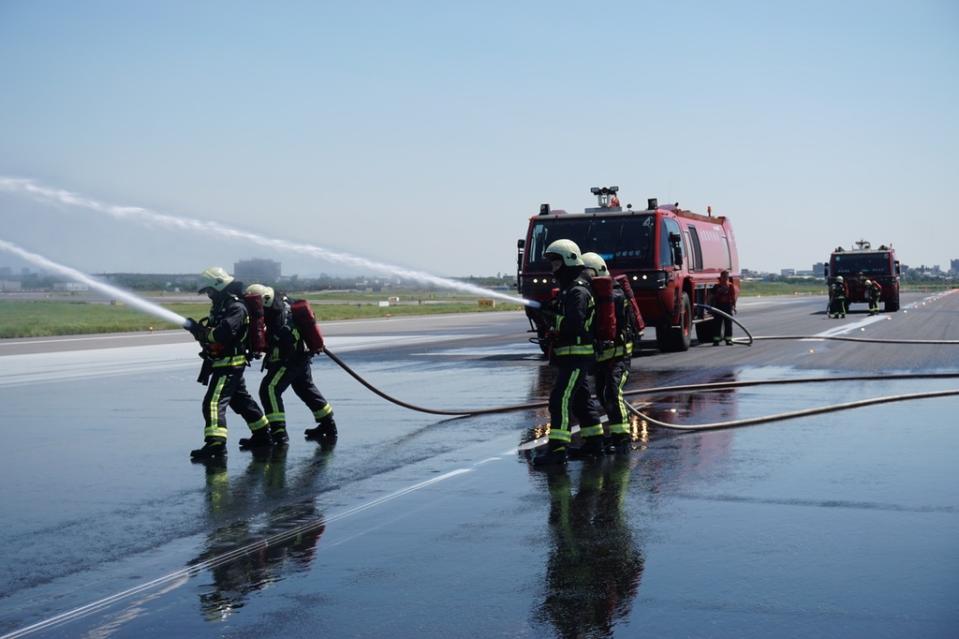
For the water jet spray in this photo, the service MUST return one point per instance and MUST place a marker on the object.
(112, 291)
(146, 216)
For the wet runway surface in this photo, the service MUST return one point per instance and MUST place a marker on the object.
(838, 525)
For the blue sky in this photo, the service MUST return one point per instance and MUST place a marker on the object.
(425, 134)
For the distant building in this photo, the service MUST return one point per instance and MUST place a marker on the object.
(788, 272)
(954, 267)
(257, 270)
(819, 269)
(10, 285)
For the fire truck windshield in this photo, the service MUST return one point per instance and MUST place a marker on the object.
(623, 242)
(866, 263)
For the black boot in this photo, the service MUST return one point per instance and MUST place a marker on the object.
(591, 447)
(619, 443)
(259, 439)
(278, 433)
(212, 449)
(324, 432)
(553, 455)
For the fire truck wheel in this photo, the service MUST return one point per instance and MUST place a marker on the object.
(891, 306)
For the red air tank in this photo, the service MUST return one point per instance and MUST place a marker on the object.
(605, 308)
(305, 320)
(256, 335)
(631, 300)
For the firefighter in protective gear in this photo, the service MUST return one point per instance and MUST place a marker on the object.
(573, 354)
(723, 296)
(287, 364)
(613, 360)
(873, 293)
(223, 338)
(838, 293)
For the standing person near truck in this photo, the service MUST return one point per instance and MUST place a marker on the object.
(288, 365)
(838, 293)
(873, 294)
(573, 354)
(613, 360)
(723, 297)
(223, 338)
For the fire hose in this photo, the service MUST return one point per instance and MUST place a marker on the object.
(686, 388)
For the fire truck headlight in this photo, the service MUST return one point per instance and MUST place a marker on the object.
(636, 277)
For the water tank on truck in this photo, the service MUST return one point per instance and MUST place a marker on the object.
(671, 257)
(861, 263)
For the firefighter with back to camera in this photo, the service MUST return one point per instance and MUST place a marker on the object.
(838, 293)
(723, 296)
(287, 364)
(223, 336)
(873, 294)
(613, 359)
(572, 353)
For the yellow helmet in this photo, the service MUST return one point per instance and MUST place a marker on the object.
(567, 250)
(214, 278)
(595, 262)
(265, 292)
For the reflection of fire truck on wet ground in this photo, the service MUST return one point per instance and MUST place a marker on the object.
(670, 256)
(866, 263)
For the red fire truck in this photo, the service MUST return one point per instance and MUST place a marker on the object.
(671, 257)
(856, 265)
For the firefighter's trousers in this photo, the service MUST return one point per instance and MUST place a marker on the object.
(227, 388)
(611, 376)
(722, 326)
(571, 398)
(837, 306)
(294, 372)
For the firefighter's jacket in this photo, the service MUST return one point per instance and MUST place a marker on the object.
(723, 296)
(225, 339)
(838, 290)
(575, 311)
(623, 346)
(874, 290)
(285, 340)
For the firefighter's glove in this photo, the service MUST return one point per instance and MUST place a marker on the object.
(195, 328)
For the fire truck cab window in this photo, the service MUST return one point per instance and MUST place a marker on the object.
(697, 258)
(866, 263)
(623, 242)
(668, 227)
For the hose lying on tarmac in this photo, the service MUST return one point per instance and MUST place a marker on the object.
(752, 421)
(641, 391)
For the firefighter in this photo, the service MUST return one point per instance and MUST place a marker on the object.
(573, 354)
(873, 293)
(223, 338)
(288, 365)
(613, 360)
(723, 297)
(838, 293)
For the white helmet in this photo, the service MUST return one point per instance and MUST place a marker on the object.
(567, 250)
(839, 278)
(595, 262)
(265, 292)
(214, 277)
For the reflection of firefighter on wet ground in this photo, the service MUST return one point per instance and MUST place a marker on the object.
(594, 565)
(263, 564)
